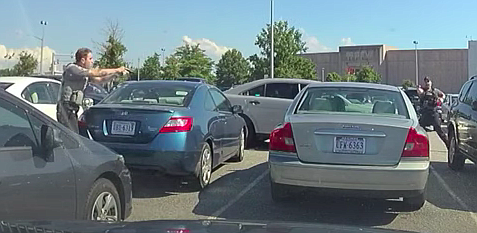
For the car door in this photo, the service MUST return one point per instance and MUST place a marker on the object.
(215, 124)
(32, 185)
(39, 95)
(463, 118)
(268, 111)
(225, 111)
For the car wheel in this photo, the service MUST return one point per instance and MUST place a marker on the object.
(103, 203)
(415, 203)
(455, 159)
(205, 166)
(280, 192)
(241, 150)
(251, 137)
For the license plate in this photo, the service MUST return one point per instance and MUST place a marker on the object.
(349, 145)
(123, 127)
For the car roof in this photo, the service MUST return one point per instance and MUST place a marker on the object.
(169, 82)
(246, 86)
(26, 80)
(356, 84)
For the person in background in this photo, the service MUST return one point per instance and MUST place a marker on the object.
(75, 78)
(428, 98)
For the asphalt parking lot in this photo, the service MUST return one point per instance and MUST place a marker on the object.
(241, 191)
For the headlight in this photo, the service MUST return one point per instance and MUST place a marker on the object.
(87, 102)
(121, 158)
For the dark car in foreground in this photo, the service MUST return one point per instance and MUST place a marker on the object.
(49, 172)
(462, 126)
(175, 127)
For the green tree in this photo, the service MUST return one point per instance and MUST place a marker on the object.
(407, 83)
(6, 72)
(333, 77)
(27, 63)
(368, 75)
(151, 68)
(111, 51)
(189, 61)
(349, 78)
(287, 44)
(232, 69)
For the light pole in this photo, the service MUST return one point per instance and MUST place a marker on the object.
(42, 39)
(272, 54)
(163, 50)
(138, 69)
(323, 74)
(417, 66)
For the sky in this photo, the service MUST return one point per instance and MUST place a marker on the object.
(219, 25)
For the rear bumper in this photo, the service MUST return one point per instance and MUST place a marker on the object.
(140, 156)
(406, 179)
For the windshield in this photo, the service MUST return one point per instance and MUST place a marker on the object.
(155, 94)
(359, 101)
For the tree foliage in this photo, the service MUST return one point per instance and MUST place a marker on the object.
(151, 68)
(407, 83)
(26, 65)
(189, 61)
(333, 77)
(171, 70)
(287, 44)
(232, 69)
(367, 75)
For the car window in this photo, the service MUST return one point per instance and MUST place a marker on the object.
(364, 101)
(14, 127)
(4, 86)
(36, 125)
(471, 95)
(282, 90)
(37, 93)
(463, 91)
(303, 85)
(221, 101)
(209, 103)
(256, 91)
(54, 89)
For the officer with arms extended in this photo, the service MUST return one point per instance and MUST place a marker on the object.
(428, 97)
(75, 78)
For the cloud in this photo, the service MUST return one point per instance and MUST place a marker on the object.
(347, 42)
(5, 53)
(211, 48)
(313, 44)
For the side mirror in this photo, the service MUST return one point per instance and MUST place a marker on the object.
(236, 109)
(87, 103)
(49, 140)
(474, 105)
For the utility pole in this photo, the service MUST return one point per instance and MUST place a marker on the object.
(417, 65)
(44, 23)
(163, 50)
(323, 74)
(138, 69)
(272, 54)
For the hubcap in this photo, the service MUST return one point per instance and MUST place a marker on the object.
(105, 208)
(206, 166)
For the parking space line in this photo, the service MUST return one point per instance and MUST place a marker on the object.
(240, 195)
(453, 195)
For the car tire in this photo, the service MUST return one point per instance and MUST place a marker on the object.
(204, 173)
(241, 150)
(251, 136)
(455, 159)
(280, 193)
(415, 203)
(102, 192)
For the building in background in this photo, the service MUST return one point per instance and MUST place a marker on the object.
(448, 68)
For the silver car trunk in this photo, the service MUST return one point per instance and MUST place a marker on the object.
(379, 140)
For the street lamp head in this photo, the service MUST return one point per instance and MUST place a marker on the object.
(43, 22)
(415, 42)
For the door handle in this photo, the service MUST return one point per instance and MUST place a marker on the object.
(254, 102)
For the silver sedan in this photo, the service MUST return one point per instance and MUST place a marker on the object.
(351, 139)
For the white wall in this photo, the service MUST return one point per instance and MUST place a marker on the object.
(472, 58)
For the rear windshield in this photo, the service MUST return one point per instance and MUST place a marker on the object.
(156, 94)
(4, 86)
(360, 101)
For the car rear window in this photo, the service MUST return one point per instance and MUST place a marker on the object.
(156, 94)
(4, 86)
(353, 101)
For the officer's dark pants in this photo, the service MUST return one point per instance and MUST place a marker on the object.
(67, 114)
(432, 118)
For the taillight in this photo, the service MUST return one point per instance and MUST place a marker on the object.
(281, 139)
(82, 121)
(177, 124)
(417, 145)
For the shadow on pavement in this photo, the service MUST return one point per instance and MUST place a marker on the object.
(462, 183)
(260, 146)
(307, 207)
(149, 184)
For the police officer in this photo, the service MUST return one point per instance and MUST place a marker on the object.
(428, 97)
(75, 78)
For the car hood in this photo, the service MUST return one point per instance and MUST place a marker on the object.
(191, 226)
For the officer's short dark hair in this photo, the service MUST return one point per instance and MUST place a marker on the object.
(82, 53)
(427, 79)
